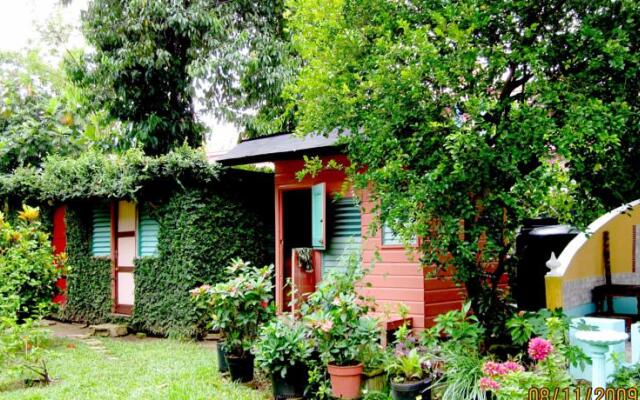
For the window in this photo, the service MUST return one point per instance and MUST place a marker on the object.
(101, 233)
(391, 238)
(147, 234)
(344, 235)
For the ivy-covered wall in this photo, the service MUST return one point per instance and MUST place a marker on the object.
(88, 278)
(201, 230)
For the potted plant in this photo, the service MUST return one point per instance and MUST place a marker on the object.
(282, 350)
(409, 368)
(373, 376)
(239, 307)
(341, 329)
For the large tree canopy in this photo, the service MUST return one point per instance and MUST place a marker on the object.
(469, 116)
(155, 60)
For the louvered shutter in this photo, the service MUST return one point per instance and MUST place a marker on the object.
(147, 234)
(101, 234)
(345, 235)
(391, 238)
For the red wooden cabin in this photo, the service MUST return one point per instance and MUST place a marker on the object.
(320, 214)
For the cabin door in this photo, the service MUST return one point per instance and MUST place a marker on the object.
(125, 252)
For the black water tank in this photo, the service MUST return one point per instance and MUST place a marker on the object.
(535, 242)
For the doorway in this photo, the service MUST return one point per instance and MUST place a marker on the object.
(125, 253)
(296, 233)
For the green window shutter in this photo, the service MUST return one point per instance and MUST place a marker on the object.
(147, 234)
(318, 216)
(345, 235)
(101, 233)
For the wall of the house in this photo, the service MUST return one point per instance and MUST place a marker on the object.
(581, 264)
(396, 276)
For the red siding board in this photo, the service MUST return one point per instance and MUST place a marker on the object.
(397, 276)
(59, 243)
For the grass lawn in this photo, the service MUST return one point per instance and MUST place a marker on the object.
(145, 369)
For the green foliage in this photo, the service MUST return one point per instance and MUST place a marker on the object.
(625, 376)
(476, 113)
(526, 325)
(143, 52)
(38, 113)
(549, 370)
(22, 347)
(337, 315)
(28, 269)
(88, 277)
(457, 340)
(239, 306)
(201, 231)
(106, 176)
(28, 273)
(284, 344)
(245, 73)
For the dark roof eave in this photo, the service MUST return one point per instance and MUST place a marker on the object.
(287, 155)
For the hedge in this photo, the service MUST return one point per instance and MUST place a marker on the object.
(88, 278)
(200, 232)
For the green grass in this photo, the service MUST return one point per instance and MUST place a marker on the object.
(159, 369)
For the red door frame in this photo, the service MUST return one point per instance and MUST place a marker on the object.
(317, 255)
(124, 309)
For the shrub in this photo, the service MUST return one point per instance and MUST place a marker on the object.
(28, 269)
(409, 361)
(88, 277)
(201, 231)
(28, 272)
(22, 346)
(240, 305)
(511, 380)
(284, 343)
(338, 317)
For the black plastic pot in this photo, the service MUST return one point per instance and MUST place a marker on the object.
(222, 362)
(409, 391)
(240, 368)
(292, 385)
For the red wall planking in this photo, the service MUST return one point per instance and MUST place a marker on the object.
(396, 277)
(59, 243)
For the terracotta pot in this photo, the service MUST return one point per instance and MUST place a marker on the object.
(346, 381)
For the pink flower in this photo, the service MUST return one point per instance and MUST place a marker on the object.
(512, 366)
(539, 348)
(491, 368)
(326, 325)
(489, 384)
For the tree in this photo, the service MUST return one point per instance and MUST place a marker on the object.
(38, 113)
(244, 77)
(468, 116)
(143, 51)
(156, 60)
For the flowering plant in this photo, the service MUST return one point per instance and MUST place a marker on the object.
(337, 316)
(284, 343)
(510, 380)
(240, 305)
(409, 361)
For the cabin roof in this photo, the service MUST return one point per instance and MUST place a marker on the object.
(279, 147)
